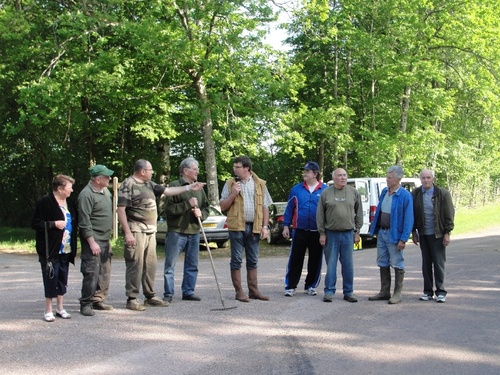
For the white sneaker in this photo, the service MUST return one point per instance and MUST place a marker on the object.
(426, 297)
(441, 298)
(289, 292)
(311, 291)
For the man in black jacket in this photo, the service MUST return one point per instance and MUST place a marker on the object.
(433, 221)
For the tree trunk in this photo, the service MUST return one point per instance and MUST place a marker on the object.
(209, 144)
(405, 105)
(164, 154)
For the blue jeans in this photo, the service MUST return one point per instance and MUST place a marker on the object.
(244, 240)
(175, 243)
(339, 245)
(387, 252)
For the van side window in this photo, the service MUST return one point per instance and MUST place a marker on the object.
(408, 186)
(362, 188)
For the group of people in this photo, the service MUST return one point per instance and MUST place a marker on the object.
(57, 218)
(319, 219)
(328, 220)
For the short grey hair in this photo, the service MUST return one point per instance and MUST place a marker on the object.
(429, 170)
(187, 163)
(397, 170)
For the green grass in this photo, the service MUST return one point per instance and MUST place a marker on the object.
(22, 240)
(477, 219)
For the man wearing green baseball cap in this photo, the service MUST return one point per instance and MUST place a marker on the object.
(95, 220)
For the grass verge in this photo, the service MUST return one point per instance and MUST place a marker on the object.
(470, 220)
(476, 219)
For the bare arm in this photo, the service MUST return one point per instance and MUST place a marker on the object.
(264, 232)
(122, 218)
(265, 212)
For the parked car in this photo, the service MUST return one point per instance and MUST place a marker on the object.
(215, 228)
(276, 213)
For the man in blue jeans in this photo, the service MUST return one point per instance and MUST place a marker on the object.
(393, 223)
(183, 234)
(246, 200)
(339, 218)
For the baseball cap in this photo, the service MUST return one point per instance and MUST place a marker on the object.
(100, 170)
(311, 165)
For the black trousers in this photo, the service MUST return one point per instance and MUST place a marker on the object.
(433, 261)
(303, 240)
(96, 271)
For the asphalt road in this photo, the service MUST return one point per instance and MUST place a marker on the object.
(298, 335)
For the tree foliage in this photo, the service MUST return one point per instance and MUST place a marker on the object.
(410, 82)
(364, 86)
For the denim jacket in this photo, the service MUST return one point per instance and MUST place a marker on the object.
(401, 215)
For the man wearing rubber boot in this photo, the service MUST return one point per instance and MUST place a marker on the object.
(393, 223)
(246, 200)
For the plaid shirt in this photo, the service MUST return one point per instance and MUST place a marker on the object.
(248, 193)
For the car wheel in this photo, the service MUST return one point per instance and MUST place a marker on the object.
(221, 244)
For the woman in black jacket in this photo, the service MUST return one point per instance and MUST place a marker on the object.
(55, 221)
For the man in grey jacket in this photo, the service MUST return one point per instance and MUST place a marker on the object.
(434, 214)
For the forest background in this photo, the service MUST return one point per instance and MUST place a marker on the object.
(359, 84)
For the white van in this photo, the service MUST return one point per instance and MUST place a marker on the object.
(370, 189)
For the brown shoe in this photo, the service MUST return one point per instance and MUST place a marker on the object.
(135, 304)
(155, 302)
(102, 306)
(350, 298)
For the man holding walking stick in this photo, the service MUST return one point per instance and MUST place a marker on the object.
(183, 234)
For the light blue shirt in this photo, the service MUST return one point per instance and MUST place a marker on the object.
(429, 219)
